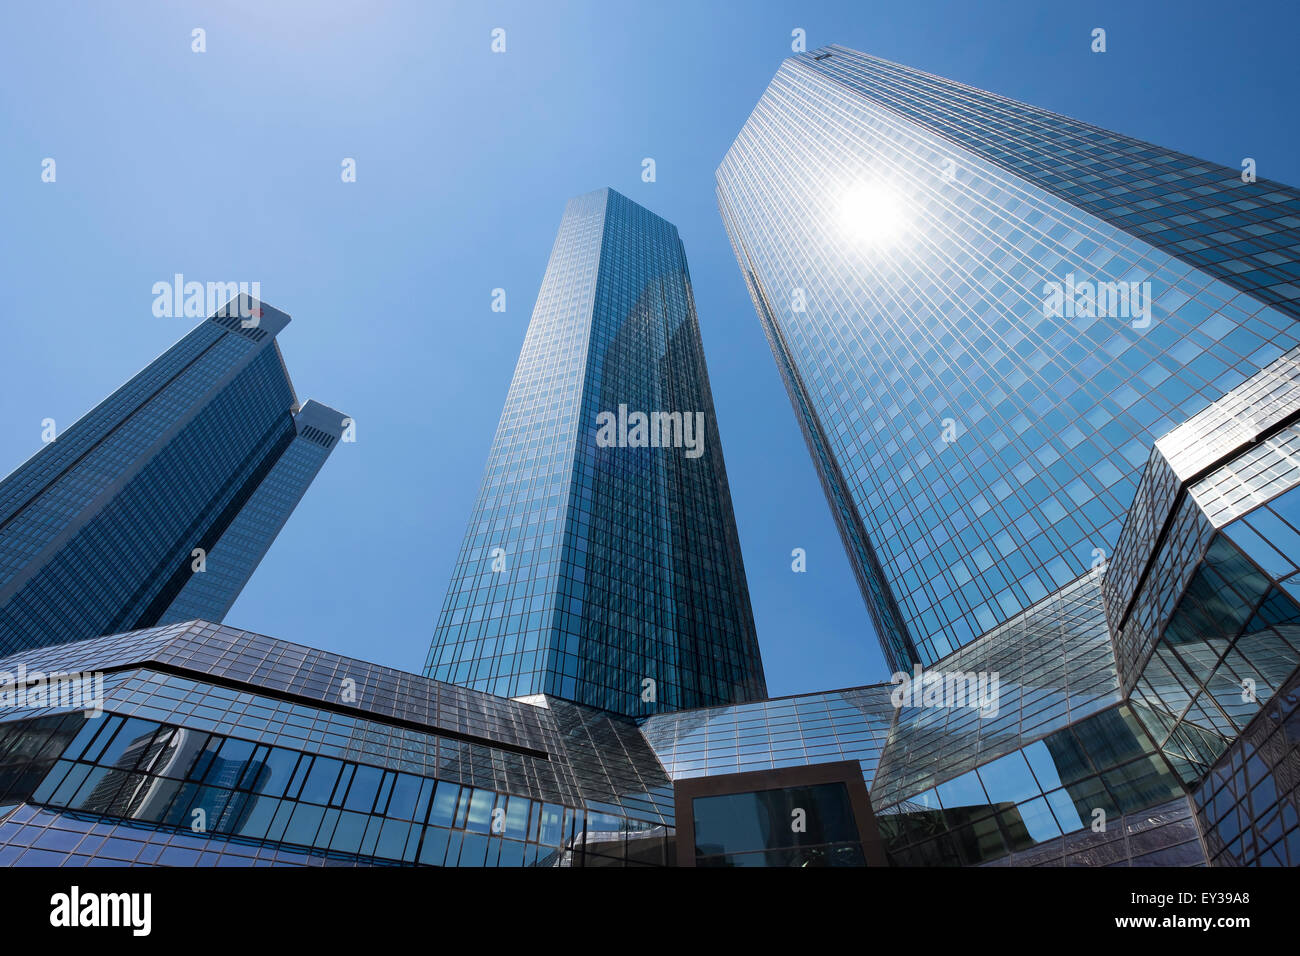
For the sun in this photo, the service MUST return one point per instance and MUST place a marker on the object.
(871, 213)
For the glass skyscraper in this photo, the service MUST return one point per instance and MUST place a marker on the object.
(157, 505)
(601, 564)
(985, 313)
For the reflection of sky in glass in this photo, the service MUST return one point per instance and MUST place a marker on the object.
(1106, 762)
(588, 570)
(788, 732)
(963, 791)
(943, 320)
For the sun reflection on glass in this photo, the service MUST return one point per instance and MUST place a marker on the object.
(871, 213)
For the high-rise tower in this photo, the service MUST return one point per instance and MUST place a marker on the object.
(985, 313)
(602, 564)
(157, 505)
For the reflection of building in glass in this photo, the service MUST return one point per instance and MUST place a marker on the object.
(251, 731)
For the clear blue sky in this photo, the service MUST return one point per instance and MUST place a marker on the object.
(225, 166)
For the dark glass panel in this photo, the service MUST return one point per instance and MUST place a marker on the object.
(767, 819)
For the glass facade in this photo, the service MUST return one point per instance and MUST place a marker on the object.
(1162, 835)
(1248, 803)
(1229, 646)
(1242, 233)
(206, 448)
(1054, 667)
(1086, 777)
(221, 747)
(250, 528)
(602, 565)
(175, 778)
(1201, 595)
(903, 237)
(849, 724)
(789, 826)
(1058, 771)
(1233, 456)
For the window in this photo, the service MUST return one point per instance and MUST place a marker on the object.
(818, 815)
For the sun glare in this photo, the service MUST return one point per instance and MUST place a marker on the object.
(871, 213)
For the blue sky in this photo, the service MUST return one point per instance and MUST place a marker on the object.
(225, 166)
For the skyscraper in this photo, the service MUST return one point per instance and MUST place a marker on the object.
(985, 313)
(601, 564)
(157, 505)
